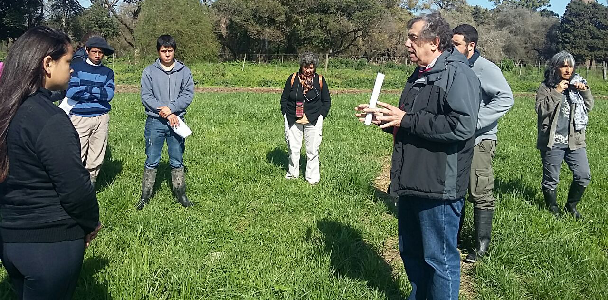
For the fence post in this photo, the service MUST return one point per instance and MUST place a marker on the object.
(326, 62)
(520, 66)
(604, 71)
(244, 58)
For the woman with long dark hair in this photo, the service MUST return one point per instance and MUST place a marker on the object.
(563, 102)
(47, 203)
(305, 104)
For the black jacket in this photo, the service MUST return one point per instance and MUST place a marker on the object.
(319, 104)
(433, 147)
(47, 196)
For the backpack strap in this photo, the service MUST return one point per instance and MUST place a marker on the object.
(293, 77)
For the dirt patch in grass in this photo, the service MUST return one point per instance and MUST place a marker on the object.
(467, 287)
(136, 89)
(123, 88)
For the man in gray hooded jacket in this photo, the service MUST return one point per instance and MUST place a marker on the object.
(167, 89)
(497, 99)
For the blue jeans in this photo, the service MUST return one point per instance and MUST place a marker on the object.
(157, 131)
(427, 244)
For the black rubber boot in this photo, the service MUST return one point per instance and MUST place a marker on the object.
(483, 232)
(178, 178)
(147, 186)
(574, 197)
(551, 201)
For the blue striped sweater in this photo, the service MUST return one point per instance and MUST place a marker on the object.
(92, 86)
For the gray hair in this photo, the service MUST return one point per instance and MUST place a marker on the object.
(435, 26)
(552, 75)
(308, 58)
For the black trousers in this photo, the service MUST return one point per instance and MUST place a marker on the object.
(43, 270)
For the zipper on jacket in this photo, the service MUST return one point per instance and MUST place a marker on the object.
(169, 89)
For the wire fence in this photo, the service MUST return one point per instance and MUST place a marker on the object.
(596, 68)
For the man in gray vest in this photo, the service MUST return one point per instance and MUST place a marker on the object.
(497, 99)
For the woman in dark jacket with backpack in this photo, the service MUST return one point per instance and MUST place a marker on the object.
(47, 202)
(305, 104)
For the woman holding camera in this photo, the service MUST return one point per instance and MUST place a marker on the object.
(563, 102)
(305, 103)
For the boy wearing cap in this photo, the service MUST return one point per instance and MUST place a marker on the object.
(92, 87)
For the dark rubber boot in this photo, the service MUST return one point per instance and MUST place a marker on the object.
(551, 201)
(147, 186)
(483, 232)
(574, 197)
(178, 178)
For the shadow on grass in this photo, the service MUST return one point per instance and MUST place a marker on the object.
(517, 186)
(352, 257)
(90, 287)
(6, 292)
(388, 200)
(466, 238)
(163, 174)
(279, 157)
(109, 170)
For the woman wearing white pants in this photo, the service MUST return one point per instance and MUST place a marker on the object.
(305, 103)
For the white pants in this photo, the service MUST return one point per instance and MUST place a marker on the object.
(312, 137)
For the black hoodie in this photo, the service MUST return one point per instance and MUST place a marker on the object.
(48, 195)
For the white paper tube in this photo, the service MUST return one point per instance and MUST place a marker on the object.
(374, 97)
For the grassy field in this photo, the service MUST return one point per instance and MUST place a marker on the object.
(255, 235)
(341, 74)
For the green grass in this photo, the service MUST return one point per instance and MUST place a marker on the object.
(255, 235)
(341, 73)
(535, 256)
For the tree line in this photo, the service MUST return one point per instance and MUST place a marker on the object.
(521, 31)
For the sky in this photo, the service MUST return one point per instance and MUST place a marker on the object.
(558, 6)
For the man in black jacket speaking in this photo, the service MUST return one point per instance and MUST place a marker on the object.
(433, 129)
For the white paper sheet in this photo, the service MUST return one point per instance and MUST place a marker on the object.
(374, 98)
(182, 129)
(67, 104)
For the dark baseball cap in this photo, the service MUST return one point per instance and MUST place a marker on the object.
(99, 42)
